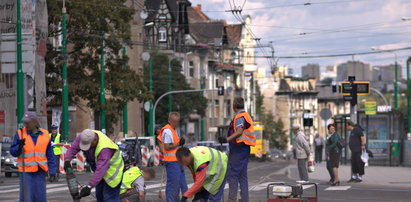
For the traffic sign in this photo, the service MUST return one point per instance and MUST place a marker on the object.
(370, 108)
(363, 87)
(325, 114)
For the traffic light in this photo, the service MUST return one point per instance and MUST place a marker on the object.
(354, 94)
(220, 90)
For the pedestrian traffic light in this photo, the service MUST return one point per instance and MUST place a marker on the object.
(354, 94)
(220, 90)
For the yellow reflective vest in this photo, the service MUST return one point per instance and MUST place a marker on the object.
(129, 177)
(57, 149)
(115, 170)
(216, 169)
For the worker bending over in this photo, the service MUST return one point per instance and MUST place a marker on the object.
(104, 158)
(31, 144)
(241, 136)
(170, 142)
(132, 186)
(208, 167)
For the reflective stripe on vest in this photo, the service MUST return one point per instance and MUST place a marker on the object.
(216, 168)
(169, 155)
(115, 170)
(57, 149)
(249, 136)
(34, 154)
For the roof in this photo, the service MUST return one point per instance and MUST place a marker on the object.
(325, 94)
(234, 34)
(196, 15)
(152, 7)
(207, 32)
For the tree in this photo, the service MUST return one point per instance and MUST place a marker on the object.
(89, 23)
(327, 81)
(187, 103)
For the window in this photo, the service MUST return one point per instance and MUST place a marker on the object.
(162, 34)
(191, 69)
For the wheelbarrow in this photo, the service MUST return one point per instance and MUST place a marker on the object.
(281, 192)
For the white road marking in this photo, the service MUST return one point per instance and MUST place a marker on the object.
(338, 188)
(9, 187)
(18, 189)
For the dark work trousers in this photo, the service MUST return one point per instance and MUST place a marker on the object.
(357, 166)
(318, 153)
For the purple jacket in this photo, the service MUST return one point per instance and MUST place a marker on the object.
(102, 162)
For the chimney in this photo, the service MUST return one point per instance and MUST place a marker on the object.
(198, 8)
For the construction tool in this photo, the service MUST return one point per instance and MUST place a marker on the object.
(24, 169)
(73, 185)
(160, 194)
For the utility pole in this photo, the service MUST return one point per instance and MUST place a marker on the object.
(65, 126)
(102, 90)
(409, 95)
(125, 108)
(396, 83)
(151, 113)
(20, 74)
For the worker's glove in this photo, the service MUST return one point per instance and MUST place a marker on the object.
(85, 191)
(182, 141)
(183, 199)
(67, 165)
(222, 140)
(21, 144)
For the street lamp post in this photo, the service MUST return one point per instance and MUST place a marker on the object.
(64, 116)
(102, 90)
(125, 108)
(20, 74)
(409, 95)
(170, 88)
(146, 57)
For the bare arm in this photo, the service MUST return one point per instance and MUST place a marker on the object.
(236, 134)
(169, 147)
(362, 142)
(141, 196)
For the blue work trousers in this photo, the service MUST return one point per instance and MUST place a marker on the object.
(104, 193)
(176, 181)
(35, 188)
(206, 196)
(237, 172)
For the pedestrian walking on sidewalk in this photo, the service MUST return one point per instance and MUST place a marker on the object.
(32, 146)
(357, 145)
(319, 145)
(302, 151)
(333, 152)
(241, 136)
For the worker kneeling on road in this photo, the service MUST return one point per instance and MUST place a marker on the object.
(105, 160)
(132, 186)
(31, 144)
(208, 167)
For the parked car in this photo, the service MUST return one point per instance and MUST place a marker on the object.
(8, 162)
(281, 154)
(223, 148)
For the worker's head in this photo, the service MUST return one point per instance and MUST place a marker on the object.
(88, 139)
(184, 156)
(174, 119)
(30, 120)
(54, 129)
(238, 104)
(149, 173)
(350, 125)
(331, 128)
(296, 128)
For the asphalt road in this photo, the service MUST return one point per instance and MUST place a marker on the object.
(260, 174)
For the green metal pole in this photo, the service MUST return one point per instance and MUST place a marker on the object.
(125, 107)
(65, 125)
(170, 88)
(409, 95)
(20, 74)
(102, 90)
(396, 86)
(151, 114)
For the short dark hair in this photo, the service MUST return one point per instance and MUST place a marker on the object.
(238, 103)
(330, 125)
(183, 151)
(350, 123)
(150, 171)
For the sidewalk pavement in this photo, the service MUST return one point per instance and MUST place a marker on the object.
(374, 175)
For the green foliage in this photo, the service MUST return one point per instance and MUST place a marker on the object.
(186, 103)
(87, 22)
(327, 81)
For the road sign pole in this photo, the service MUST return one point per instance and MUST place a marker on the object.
(409, 95)
(396, 86)
(20, 74)
(64, 116)
(151, 113)
(125, 107)
(102, 90)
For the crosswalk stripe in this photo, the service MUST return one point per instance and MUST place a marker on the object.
(8, 187)
(338, 188)
(18, 189)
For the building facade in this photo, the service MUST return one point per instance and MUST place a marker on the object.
(311, 70)
(360, 70)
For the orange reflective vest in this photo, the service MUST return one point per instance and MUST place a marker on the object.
(34, 155)
(248, 136)
(169, 155)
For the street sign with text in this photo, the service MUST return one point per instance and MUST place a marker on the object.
(363, 87)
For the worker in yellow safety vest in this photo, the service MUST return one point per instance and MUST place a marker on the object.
(240, 137)
(208, 167)
(132, 185)
(170, 142)
(104, 158)
(57, 145)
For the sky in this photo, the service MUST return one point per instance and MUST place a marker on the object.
(323, 27)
